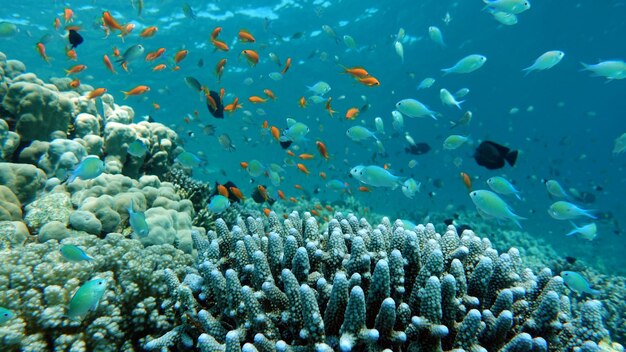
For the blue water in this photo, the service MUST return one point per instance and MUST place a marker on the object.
(565, 127)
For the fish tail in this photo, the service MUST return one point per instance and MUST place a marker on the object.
(511, 157)
(446, 71)
(588, 214)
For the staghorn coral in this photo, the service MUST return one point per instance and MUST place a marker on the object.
(287, 286)
(37, 284)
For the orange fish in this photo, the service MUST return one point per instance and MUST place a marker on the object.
(245, 36)
(116, 52)
(269, 94)
(219, 45)
(75, 83)
(368, 81)
(156, 106)
(321, 148)
(159, 67)
(263, 192)
(108, 63)
(303, 168)
(176, 68)
(136, 91)
(233, 106)
(244, 165)
(75, 69)
(41, 49)
(265, 124)
(211, 100)
(219, 69)
(127, 29)
(297, 187)
(318, 206)
(68, 15)
(357, 72)
(314, 212)
(323, 175)
(256, 99)
(267, 212)
(328, 207)
(153, 55)
(236, 192)
(96, 93)
(57, 23)
(291, 153)
(275, 132)
(110, 22)
(364, 189)
(302, 102)
(251, 56)
(293, 199)
(305, 156)
(222, 190)
(329, 108)
(281, 194)
(148, 32)
(71, 54)
(352, 113)
(180, 55)
(467, 181)
(216, 32)
(287, 66)
(222, 92)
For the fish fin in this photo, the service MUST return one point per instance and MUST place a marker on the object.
(511, 157)
(573, 232)
(458, 104)
(594, 292)
(453, 124)
(446, 71)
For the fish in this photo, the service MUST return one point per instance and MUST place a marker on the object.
(5, 315)
(131, 54)
(188, 11)
(611, 69)
(505, 18)
(556, 190)
(303, 168)
(188, 160)
(259, 195)
(461, 93)
(577, 283)
(418, 148)
(588, 231)
(426, 83)
(369, 81)
(337, 185)
(41, 49)
(509, 6)
(619, 145)
(138, 90)
(218, 204)
(245, 36)
(467, 64)
(356, 71)
(256, 99)
(194, 84)
(352, 113)
(108, 64)
(251, 56)
(414, 108)
(399, 50)
(295, 132)
(467, 181)
(493, 156)
(380, 127)
(562, 210)
(501, 185)
(86, 298)
(436, 36)
(463, 120)
(75, 69)
(448, 99)
(454, 141)
(74, 253)
(149, 32)
(490, 205)
(137, 149)
(74, 38)
(110, 22)
(397, 120)
(96, 93)
(545, 61)
(137, 220)
(226, 143)
(375, 176)
(214, 104)
(287, 66)
(321, 148)
(255, 168)
(7, 29)
(320, 88)
(410, 187)
(219, 69)
(89, 168)
(360, 133)
(180, 55)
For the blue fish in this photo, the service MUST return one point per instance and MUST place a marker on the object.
(86, 298)
(188, 160)
(74, 253)
(5, 315)
(218, 204)
(90, 167)
(137, 149)
(138, 221)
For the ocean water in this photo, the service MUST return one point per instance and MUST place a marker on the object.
(565, 126)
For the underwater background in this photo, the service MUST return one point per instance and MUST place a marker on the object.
(565, 122)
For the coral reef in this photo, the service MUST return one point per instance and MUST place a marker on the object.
(287, 286)
(36, 282)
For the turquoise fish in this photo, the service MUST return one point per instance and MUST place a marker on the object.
(188, 160)
(577, 283)
(5, 315)
(588, 231)
(337, 185)
(86, 298)
(90, 167)
(467, 64)
(360, 133)
(74, 253)
(503, 186)
(554, 189)
(295, 132)
(490, 204)
(376, 176)
(137, 221)
(218, 204)
(137, 149)
(563, 210)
